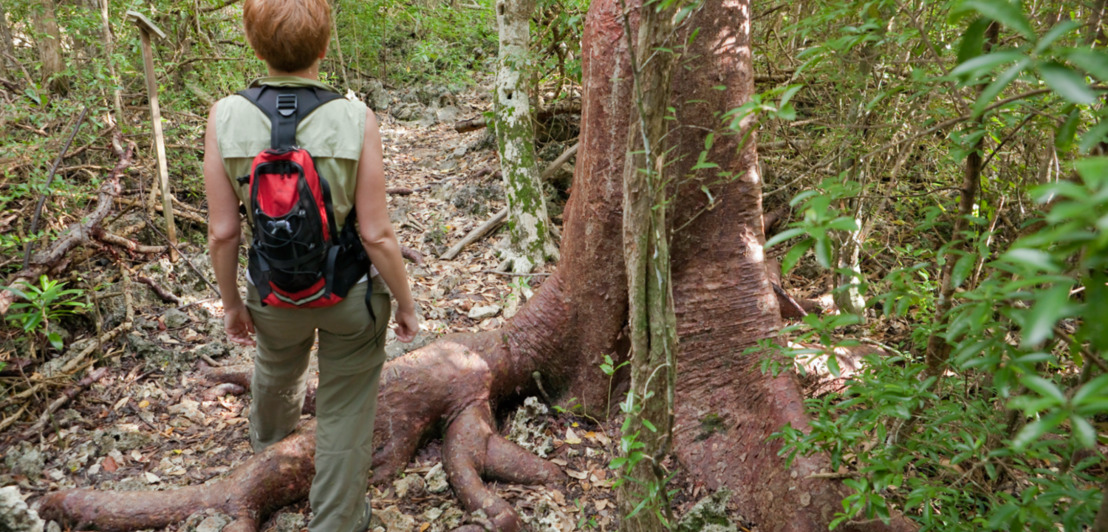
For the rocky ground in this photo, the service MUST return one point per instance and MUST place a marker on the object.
(152, 422)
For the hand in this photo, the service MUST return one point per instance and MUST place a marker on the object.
(407, 325)
(238, 324)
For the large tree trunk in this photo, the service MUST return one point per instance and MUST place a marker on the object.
(726, 408)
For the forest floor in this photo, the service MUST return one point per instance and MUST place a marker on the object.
(154, 423)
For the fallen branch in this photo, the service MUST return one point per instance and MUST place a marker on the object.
(177, 213)
(161, 292)
(502, 215)
(790, 308)
(126, 243)
(40, 426)
(476, 234)
(46, 188)
(562, 159)
(77, 233)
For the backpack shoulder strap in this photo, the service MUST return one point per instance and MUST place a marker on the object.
(286, 107)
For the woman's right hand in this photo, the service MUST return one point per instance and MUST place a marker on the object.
(407, 325)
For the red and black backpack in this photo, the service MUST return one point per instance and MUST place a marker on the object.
(298, 258)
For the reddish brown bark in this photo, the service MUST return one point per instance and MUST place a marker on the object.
(724, 303)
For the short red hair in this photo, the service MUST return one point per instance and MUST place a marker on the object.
(288, 34)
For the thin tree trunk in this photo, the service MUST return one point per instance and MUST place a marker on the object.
(49, 46)
(529, 242)
(938, 349)
(5, 42)
(649, 405)
(109, 51)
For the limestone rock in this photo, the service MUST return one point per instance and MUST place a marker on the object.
(14, 513)
(393, 520)
(436, 479)
(708, 515)
(480, 313)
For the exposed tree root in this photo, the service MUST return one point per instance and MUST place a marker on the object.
(274, 478)
(452, 381)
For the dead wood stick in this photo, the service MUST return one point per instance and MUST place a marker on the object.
(473, 124)
(411, 254)
(125, 243)
(40, 426)
(158, 289)
(789, 307)
(185, 215)
(146, 30)
(75, 234)
(5, 423)
(46, 189)
(502, 215)
(476, 234)
(562, 159)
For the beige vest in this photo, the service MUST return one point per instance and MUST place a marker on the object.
(333, 134)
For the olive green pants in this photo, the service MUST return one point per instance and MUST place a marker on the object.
(351, 354)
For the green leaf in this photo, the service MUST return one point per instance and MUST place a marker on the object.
(1093, 170)
(823, 252)
(786, 112)
(1083, 431)
(1054, 34)
(986, 63)
(788, 94)
(783, 236)
(1093, 137)
(999, 84)
(794, 254)
(1044, 388)
(1034, 259)
(1067, 83)
(1096, 388)
(833, 364)
(1095, 62)
(1063, 138)
(1050, 307)
(973, 40)
(962, 269)
(1008, 13)
(1036, 429)
(55, 340)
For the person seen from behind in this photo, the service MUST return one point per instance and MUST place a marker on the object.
(342, 136)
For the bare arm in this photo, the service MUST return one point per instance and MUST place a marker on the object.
(224, 235)
(376, 231)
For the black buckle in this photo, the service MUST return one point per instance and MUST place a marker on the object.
(286, 104)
